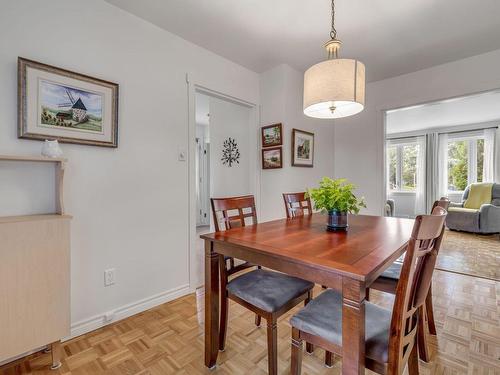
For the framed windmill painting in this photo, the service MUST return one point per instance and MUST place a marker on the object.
(54, 103)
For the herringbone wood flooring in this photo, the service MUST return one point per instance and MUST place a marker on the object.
(470, 254)
(169, 339)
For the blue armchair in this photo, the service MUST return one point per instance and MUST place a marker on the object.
(485, 219)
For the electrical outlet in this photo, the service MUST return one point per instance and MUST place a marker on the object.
(109, 277)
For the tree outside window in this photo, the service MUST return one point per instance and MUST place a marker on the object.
(392, 155)
(465, 163)
(457, 165)
(402, 166)
(409, 168)
(480, 160)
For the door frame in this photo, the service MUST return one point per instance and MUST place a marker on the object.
(196, 278)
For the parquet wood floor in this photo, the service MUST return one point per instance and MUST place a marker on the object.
(169, 339)
(470, 254)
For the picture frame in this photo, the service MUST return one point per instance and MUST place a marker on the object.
(58, 104)
(302, 148)
(272, 158)
(272, 135)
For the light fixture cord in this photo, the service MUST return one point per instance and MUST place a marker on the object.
(333, 32)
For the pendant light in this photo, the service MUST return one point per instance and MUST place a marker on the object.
(334, 88)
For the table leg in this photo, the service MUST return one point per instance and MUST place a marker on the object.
(353, 327)
(211, 305)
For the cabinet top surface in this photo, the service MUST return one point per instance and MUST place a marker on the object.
(32, 158)
(24, 218)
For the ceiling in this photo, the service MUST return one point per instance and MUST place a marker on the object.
(391, 37)
(471, 109)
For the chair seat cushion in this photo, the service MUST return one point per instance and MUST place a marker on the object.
(323, 317)
(268, 290)
(393, 271)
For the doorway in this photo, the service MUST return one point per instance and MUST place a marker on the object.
(218, 121)
(202, 162)
(439, 148)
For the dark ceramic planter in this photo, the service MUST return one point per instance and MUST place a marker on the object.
(337, 221)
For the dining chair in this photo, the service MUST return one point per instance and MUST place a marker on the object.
(296, 203)
(267, 293)
(388, 281)
(390, 336)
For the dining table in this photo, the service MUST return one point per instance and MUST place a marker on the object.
(347, 261)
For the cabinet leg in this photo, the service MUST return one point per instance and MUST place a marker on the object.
(56, 355)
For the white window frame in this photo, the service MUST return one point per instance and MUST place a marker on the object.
(471, 158)
(399, 144)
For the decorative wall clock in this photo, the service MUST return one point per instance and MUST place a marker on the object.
(230, 152)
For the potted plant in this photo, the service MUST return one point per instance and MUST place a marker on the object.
(336, 198)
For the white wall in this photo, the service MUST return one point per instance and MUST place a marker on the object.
(359, 140)
(130, 204)
(281, 101)
(228, 119)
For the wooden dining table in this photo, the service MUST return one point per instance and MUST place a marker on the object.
(347, 261)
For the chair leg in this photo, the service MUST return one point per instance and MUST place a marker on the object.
(258, 319)
(272, 346)
(224, 311)
(309, 346)
(296, 361)
(423, 347)
(367, 293)
(413, 361)
(430, 313)
(328, 359)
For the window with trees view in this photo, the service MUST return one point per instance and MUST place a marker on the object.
(465, 162)
(402, 166)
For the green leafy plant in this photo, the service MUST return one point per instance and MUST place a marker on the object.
(335, 195)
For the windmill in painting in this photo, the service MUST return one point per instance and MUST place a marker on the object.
(78, 110)
(69, 107)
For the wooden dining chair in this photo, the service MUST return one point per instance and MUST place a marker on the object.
(388, 281)
(390, 336)
(296, 203)
(267, 293)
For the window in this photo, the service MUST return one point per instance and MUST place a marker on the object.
(402, 166)
(465, 162)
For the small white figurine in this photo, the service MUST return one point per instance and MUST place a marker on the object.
(51, 149)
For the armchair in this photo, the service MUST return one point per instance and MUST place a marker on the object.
(484, 219)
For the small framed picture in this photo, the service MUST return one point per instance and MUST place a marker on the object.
(272, 158)
(302, 148)
(55, 103)
(272, 135)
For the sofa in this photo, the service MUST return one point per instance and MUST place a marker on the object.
(389, 208)
(471, 216)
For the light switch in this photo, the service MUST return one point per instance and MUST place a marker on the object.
(182, 154)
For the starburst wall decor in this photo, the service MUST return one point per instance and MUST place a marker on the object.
(230, 152)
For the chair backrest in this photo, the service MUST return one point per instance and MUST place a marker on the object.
(296, 203)
(223, 211)
(443, 202)
(413, 285)
(230, 213)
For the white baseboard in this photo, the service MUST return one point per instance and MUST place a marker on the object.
(98, 321)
